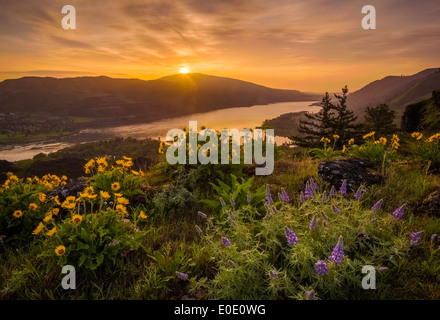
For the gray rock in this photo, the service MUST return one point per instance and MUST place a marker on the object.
(353, 170)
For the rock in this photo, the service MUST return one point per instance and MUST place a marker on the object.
(431, 204)
(72, 188)
(353, 170)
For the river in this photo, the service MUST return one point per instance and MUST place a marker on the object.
(232, 118)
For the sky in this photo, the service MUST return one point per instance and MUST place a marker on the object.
(312, 46)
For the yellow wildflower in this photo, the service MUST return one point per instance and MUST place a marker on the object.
(118, 195)
(350, 142)
(104, 195)
(38, 229)
(121, 209)
(69, 203)
(122, 200)
(33, 206)
(51, 232)
(115, 186)
(55, 211)
(48, 217)
(60, 250)
(368, 135)
(57, 200)
(77, 219)
(41, 197)
(18, 213)
(417, 135)
(336, 137)
(383, 140)
(142, 215)
(343, 149)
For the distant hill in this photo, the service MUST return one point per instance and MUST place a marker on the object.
(396, 91)
(118, 99)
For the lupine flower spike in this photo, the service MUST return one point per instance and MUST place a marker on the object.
(399, 212)
(332, 192)
(358, 193)
(226, 242)
(377, 205)
(415, 238)
(343, 189)
(284, 196)
(338, 252)
(291, 237)
(321, 268)
(312, 224)
(269, 196)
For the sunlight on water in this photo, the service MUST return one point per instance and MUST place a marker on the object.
(233, 118)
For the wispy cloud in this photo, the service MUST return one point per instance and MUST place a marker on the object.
(308, 45)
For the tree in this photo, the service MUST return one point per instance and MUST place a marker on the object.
(380, 119)
(332, 119)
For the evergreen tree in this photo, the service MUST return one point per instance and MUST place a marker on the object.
(380, 119)
(332, 119)
(315, 126)
(344, 121)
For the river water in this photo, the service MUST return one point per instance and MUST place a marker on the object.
(232, 118)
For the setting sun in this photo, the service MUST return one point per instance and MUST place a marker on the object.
(184, 70)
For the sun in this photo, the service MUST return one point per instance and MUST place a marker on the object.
(184, 70)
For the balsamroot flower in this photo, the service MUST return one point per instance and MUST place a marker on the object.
(60, 250)
(332, 192)
(336, 209)
(291, 237)
(343, 188)
(273, 274)
(312, 224)
(284, 196)
(377, 205)
(269, 195)
(399, 212)
(321, 268)
(415, 237)
(226, 242)
(338, 252)
(358, 193)
(182, 276)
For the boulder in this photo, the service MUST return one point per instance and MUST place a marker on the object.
(355, 171)
(72, 188)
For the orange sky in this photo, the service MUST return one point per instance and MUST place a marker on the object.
(313, 45)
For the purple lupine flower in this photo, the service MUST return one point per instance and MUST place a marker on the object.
(313, 185)
(202, 215)
(338, 252)
(358, 193)
(310, 295)
(332, 192)
(324, 196)
(226, 242)
(182, 276)
(231, 263)
(222, 202)
(231, 200)
(290, 237)
(321, 267)
(415, 238)
(312, 224)
(273, 274)
(343, 188)
(302, 198)
(269, 195)
(231, 215)
(284, 196)
(336, 209)
(399, 212)
(308, 192)
(248, 197)
(377, 205)
(199, 230)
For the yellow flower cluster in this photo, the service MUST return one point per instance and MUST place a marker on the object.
(124, 164)
(88, 193)
(395, 143)
(382, 140)
(161, 148)
(417, 135)
(368, 135)
(69, 203)
(434, 137)
(12, 180)
(350, 142)
(50, 180)
(325, 140)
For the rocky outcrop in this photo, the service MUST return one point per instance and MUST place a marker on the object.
(72, 188)
(355, 171)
